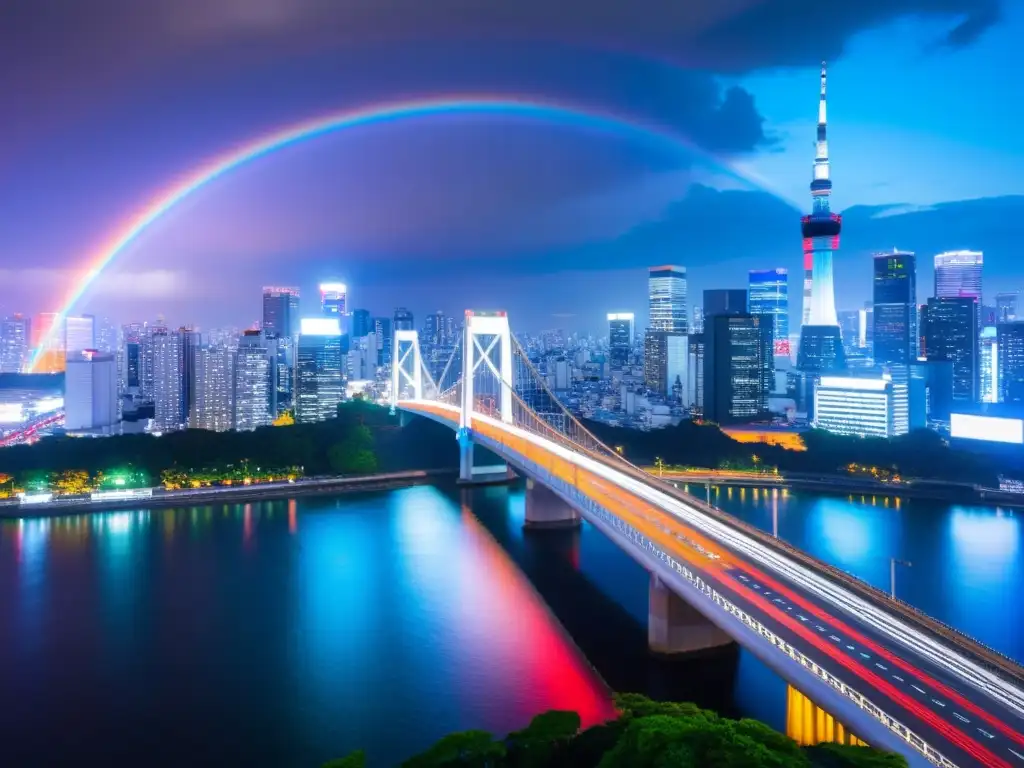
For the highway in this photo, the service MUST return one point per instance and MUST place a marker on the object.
(964, 710)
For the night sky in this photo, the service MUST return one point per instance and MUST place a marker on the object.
(108, 102)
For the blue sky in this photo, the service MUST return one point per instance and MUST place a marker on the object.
(109, 103)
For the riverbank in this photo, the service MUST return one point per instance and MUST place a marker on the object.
(840, 485)
(227, 495)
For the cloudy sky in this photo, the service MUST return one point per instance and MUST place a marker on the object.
(702, 155)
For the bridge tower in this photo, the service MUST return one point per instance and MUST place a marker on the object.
(486, 348)
(406, 366)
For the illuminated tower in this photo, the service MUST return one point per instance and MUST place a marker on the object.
(821, 343)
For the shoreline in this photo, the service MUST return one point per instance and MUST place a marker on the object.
(229, 495)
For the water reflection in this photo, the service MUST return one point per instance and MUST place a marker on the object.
(353, 620)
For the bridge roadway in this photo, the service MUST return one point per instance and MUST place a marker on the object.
(966, 713)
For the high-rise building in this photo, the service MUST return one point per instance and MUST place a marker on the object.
(1010, 362)
(167, 379)
(385, 336)
(895, 308)
(666, 287)
(988, 353)
(958, 275)
(15, 333)
(698, 319)
(361, 323)
(854, 406)
(48, 343)
(281, 311)
(252, 382)
(694, 397)
(90, 392)
(403, 319)
(188, 344)
(738, 350)
(1006, 306)
(79, 333)
(724, 301)
(333, 300)
(665, 361)
(768, 294)
(147, 366)
(620, 338)
(821, 346)
(213, 401)
(319, 379)
(951, 333)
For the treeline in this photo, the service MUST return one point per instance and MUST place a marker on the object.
(363, 438)
(647, 734)
(918, 454)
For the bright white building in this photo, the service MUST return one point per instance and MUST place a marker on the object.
(90, 392)
(213, 392)
(846, 405)
(79, 334)
(252, 383)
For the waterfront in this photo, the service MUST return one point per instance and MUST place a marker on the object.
(287, 632)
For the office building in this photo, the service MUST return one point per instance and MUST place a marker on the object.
(988, 354)
(90, 392)
(850, 327)
(895, 309)
(862, 407)
(280, 311)
(333, 298)
(253, 393)
(620, 338)
(951, 333)
(1006, 307)
(821, 344)
(319, 378)
(665, 361)
(79, 333)
(48, 343)
(724, 301)
(15, 332)
(958, 275)
(738, 351)
(213, 401)
(697, 326)
(667, 292)
(1010, 362)
(694, 397)
(189, 342)
(403, 320)
(361, 325)
(385, 337)
(168, 388)
(768, 295)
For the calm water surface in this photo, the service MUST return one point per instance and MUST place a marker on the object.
(286, 633)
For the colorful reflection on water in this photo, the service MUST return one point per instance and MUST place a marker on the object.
(279, 633)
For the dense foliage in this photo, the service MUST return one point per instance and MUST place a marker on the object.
(648, 734)
(363, 439)
(919, 454)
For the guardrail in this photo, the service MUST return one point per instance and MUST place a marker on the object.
(637, 538)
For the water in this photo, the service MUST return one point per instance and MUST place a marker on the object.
(283, 633)
(287, 633)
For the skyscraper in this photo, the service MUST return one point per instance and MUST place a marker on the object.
(333, 300)
(768, 294)
(79, 333)
(361, 323)
(620, 338)
(252, 382)
(958, 275)
(90, 392)
(1010, 362)
(48, 342)
(167, 380)
(382, 330)
(189, 342)
(724, 301)
(895, 308)
(1006, 306)
(738, 350)
(988, 354)
(281, 311)
(213, 402)
(15, 333)
(666, 288)
(821, 348)
(319, 381)
(951, 334)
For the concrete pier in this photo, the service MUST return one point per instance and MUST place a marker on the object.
(675, 627)
(546, 509)
(478, 466)
(808, 724)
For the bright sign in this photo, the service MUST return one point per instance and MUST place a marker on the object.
(320, 326)
(991, 429)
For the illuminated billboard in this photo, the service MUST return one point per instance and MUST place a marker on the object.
(991, 429)
(320, 326)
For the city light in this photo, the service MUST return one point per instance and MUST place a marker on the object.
(320, 326)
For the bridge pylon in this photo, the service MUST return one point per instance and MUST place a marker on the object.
(486, 347)
(406, 366)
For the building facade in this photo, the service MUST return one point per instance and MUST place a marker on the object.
(167, 385)
(724, 301)
(280, 311)
(15, 333)
(951, 334)
(862, 407)
(768, 295)
(319, 377)
(79, 333)
(895, 308)
(620, 338)
(738, 352)
(958, 275)
(1010, 362)
(213, 403)
(667, 295)
(253, 376)
(90, 392)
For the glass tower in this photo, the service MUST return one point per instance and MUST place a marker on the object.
(768, 294)
(895, 308)
(620, 337)
(958, 274)
(666, 287)
(319, 381)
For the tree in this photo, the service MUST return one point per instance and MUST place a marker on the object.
(71, 482)
(356, 760)
(468, 749)
(843, 756)
(547, 734)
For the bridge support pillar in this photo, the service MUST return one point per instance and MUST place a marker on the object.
(474, 471)
(808, 724)
(546, 509)
(674, 626)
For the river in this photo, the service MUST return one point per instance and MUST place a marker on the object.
(289, 632)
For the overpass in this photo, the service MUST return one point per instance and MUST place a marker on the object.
(896, 678)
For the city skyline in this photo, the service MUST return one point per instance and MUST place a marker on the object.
(576, 204)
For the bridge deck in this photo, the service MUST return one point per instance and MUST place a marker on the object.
(970, 718)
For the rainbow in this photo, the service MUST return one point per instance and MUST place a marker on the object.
(584, 117)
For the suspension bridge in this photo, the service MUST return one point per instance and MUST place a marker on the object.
(867, 664)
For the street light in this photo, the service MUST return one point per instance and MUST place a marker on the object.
(893, 562)
(660, 464)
